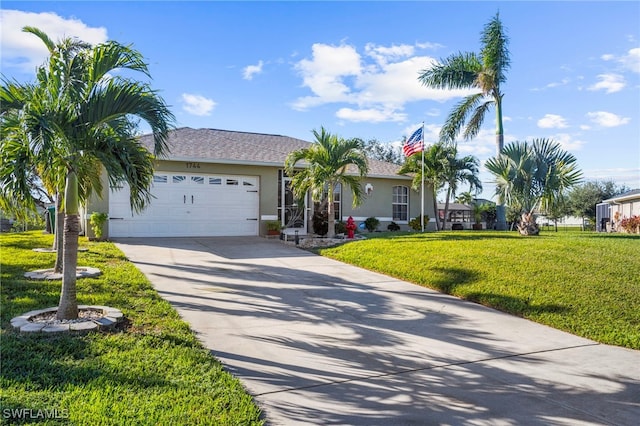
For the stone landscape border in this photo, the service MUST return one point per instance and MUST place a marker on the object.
(110, 317)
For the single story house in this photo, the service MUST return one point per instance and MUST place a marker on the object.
(229, 183)
(609, 213)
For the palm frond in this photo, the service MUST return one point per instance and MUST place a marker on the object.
(458, 71)
(495, 49)
(458, 116)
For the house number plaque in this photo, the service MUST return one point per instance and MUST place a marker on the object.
(193, 165)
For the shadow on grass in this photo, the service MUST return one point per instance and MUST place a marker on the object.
(446, 280)
(518, 306)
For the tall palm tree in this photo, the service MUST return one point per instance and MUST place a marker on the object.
(533, 176)
(459, 170)
(75, 121)
(484, 73)
(435, 164)
(330, 161)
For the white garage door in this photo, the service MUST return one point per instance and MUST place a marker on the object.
(188, 205)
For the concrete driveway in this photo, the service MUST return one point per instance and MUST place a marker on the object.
(320, 342)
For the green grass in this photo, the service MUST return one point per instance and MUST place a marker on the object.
(585, 283)
(152, 370)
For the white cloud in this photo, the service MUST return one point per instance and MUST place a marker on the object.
(567, 142)
(197, 104)
(26, 51)
(631, 60)
(611, 83)
(552, 121)
(250, 70)
(607, 119)
(607, 57)
(379, 83)
(369, 115)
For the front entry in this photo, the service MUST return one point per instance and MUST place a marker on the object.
(292, 214)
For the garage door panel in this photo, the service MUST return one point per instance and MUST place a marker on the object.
(189, 205)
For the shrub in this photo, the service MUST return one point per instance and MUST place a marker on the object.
(393, 226)
(96, 221)
(341, 227)
(415, 223)
(320, 223)
(371, 223)
(631, 224)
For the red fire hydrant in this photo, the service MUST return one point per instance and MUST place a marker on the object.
(351, 227)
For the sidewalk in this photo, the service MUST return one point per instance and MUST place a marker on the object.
(320, 342)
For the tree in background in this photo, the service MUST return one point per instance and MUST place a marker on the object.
(484, 73)
(532, 177)
(328, 160)
(383, 152)
(76, 120)
(582, 199)
(465, 198)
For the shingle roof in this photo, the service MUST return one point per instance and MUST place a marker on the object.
(231, 147)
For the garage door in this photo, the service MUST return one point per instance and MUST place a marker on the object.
(188, 205)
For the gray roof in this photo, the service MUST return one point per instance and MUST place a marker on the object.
(231, 147)
(629, 195)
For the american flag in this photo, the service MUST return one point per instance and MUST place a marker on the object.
(414, 144)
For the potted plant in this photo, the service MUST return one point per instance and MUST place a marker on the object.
(478, 210)
(273, 227)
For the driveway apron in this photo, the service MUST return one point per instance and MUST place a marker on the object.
(316, 341)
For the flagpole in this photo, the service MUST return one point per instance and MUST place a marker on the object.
(422, 188)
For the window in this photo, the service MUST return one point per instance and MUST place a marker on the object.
(215, 181)
(199, 180)
(337, 201)
(232, 181)
(178, 179)
(160, 179)
(400, 203)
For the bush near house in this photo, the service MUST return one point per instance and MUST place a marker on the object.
(631, 225)
(371, 223)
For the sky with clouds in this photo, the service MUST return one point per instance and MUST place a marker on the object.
(290, 67)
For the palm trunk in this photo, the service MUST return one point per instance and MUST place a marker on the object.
(435, 208)
(331, 220)
(528, 225)
(501, 211)
(68, 307)
(446, 209)
(58, 235)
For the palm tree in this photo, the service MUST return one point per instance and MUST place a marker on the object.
(435, 164)
(75, 121)
(328, 161)
(459, 170)
(484, 72)
(465, 198)
(533, 176)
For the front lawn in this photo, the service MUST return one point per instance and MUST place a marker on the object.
(585, 283)
(152, 370)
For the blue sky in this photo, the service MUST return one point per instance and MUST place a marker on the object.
(290, 67)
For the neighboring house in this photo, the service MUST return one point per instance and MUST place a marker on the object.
(457, 213)
(610, 212)
(227, 183)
